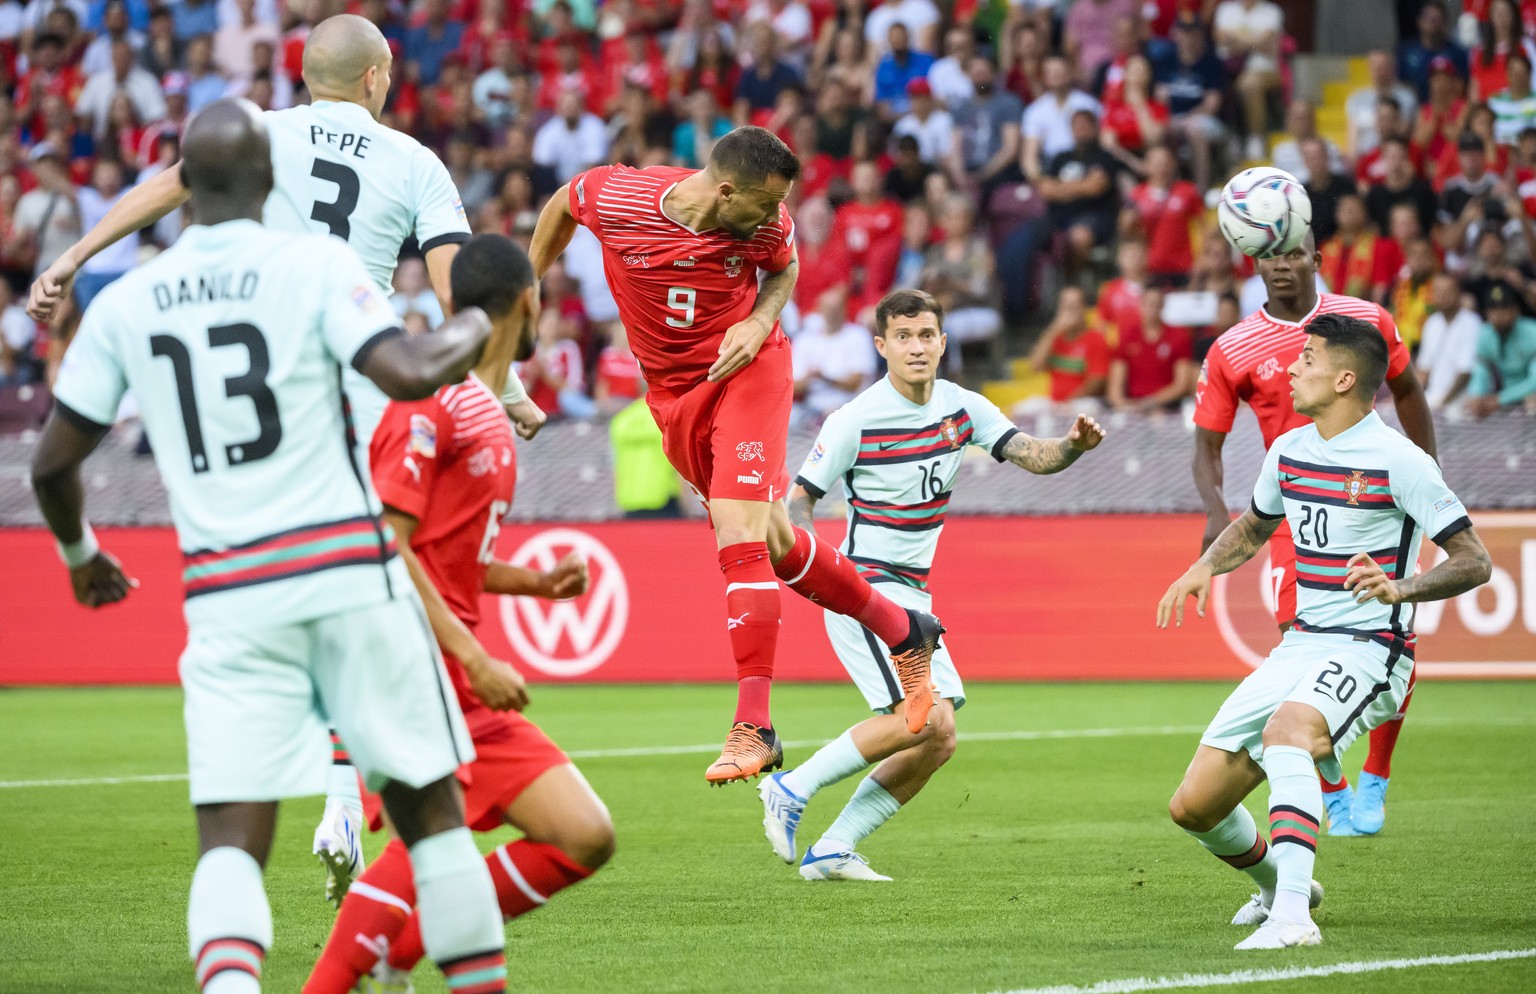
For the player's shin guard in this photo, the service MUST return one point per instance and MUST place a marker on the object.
(1295, 810)
(752, 620)
(819, 572)
(1378, 762)
(460, 923)
(228, 922)
(376, 910)
(342, 786)
(1236, 841)
(870, 807)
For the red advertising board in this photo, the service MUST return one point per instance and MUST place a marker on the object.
(1023, 598)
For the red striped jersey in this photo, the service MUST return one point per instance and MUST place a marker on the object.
(678, 290)
(898, 462)
(1249, 362)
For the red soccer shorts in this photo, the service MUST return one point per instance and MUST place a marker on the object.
(511, 752)
(729, 440)
(1282, 573)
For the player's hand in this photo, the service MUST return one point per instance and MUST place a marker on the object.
(1214, 526)
(495, 682)
(527, 418)
(739, 347)
(1368, 581)
(101, 581)
(568, 579)
(50, 289)
(1195, 582)
(1086, 434)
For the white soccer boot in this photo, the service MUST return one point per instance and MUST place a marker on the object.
(1256, 911)
(838, 865)
(781, 816)
(1277, 933)
(385, 979)
(339, 847)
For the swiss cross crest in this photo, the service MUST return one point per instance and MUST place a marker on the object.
(1355, 486)
(733, 264)
(1269, 367)
(950, 432)
(748, 451)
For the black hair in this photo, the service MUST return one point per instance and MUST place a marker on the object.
(750, 155)
(490, 272)
(1361, 343)
(906, 304)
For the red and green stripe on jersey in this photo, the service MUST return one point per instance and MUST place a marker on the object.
(922, 516)
(1327, 570)
(1336, 486)
(360, 541)
(875, 571)
(888, 446)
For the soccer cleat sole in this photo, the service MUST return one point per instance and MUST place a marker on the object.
(720, 781)
(338, 869)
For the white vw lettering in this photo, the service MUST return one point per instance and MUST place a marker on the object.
(568, 638)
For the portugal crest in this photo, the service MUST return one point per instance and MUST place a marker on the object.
(1355, 486)
(950, 433)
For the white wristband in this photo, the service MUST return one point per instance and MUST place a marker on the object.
(513, 392)
(76, 554)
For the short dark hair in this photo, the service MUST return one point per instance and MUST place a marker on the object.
(490, 272)
(751, 155)
(906, 304)
(1362, 344)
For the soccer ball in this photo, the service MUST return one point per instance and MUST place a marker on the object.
(1264, 212)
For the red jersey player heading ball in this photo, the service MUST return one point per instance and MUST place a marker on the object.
(682, 250)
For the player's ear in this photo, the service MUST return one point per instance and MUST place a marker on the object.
(880, 344)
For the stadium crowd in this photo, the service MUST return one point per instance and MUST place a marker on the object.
(1033, 163)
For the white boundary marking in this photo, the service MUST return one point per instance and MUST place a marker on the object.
(1240, 977)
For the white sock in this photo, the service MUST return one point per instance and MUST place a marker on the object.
(1295, 811)
(455, 898)
(341, 784)
(1236, 841)
(869, 808)
(228, 922)
(837, 760)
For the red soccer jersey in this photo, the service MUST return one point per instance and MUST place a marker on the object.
(448, 461)
(1150, 365)
(1075, 362)
(619, 373)
(1166, 216)
(1119, 308)
(678, 290)
(1250, 359)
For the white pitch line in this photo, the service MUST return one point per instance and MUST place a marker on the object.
(1240, 977)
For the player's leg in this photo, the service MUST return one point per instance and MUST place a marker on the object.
(228, 921)
(338, 841)
(1369, 812)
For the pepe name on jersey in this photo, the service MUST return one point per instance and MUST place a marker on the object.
(207, 289)
(346, 142)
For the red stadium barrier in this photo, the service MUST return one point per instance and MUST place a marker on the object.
(1024, 599)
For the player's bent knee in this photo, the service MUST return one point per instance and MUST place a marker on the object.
(589, 838)
(1188, 816)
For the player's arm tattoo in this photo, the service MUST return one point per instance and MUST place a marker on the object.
(802, 507)
(1239, 542)
(774, 292)
(1467, 565)
(1040, 455)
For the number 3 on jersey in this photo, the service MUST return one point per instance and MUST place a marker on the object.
(336, 214)
(681, 298)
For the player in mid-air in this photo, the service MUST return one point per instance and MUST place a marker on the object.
(682, 250)
(1248, 363)
(298, 607)
(1359, 498)
(445, 469)
(897, 448)
(337, 170)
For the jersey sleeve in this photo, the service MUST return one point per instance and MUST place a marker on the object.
(990, 427)
(356, 316)
(1216, 392)
(777, 255)
(91, 379)
(1427, 500)
(1267, 501)
(1398, 358)
(440, 216)
(836, 448)
(583, 193)
(405, 453)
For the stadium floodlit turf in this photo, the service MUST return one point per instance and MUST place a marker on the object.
(1041, 856)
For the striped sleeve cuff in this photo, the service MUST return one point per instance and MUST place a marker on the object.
(810, 487)
(1002, 443)
(1267, 517)
(1459, 525)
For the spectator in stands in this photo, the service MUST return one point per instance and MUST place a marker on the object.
(1228, 313)
(1469, 201)
(791, 24)
(1088, 34)
(757, 91)
(49, 214)
(1416, 56)
(1133, 118)
(696, 134)
(571, 141)
(1491, 266)
(204, 84)
(196, 17)
(927, 122)
(18, 339)
(1079, 185)
(1514, 107)
(1021, 60)
(916, 239)
(1352, 260)
(1441, 121)
(986, 147)
(492, 90)
(1504, 375)
(1360, 106)
(639, 124)
(161, 53)
(1163, 208)
(618, 381)
(901, 66)
(233, 41)
(1501, 36)
(959, 273)
(1152, 368)
(1125, 42)
(1400, 185)
(1075, 355)
(167, 153)
(413, 291)
(644, 483)
(1410, 298)
(1119, 300)
(1448, 351)
(1300, 125)
(870, 227)
(432, 41)
(1047, 124)
(842, 126)
(909, 175)
(834, 358)
(1248, 36)
(950, 76)
(556, 375)
(114, 28)
(1324, 188)
(106, 266)
(48, 74)
(1191, 80)
(921, 19)
(95, 100)
(1389, 124)
(851, 62)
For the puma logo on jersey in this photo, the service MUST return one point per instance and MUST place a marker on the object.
(734, 623)
(755, 478)
(415, 470)
(685, 263)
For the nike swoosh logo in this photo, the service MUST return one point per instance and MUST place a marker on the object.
(1290, 479)
(885, 447)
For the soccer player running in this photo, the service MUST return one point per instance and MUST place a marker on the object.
(298, 608)
(337, 170)
(445, 469)
(1248, 363)
(682, 249)
(897, 448)
(1359, 498)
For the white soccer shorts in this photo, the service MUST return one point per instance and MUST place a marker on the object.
(868, 661)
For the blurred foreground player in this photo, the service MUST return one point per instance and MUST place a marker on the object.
(1359, 498)
(897, 448)
(1248, 363)
(681, 250)
(445, 469)
(297, 606)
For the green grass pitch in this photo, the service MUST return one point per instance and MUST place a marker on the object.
(1040, 856)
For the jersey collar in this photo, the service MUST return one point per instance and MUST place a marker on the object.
(661, 208)
(1293, 324)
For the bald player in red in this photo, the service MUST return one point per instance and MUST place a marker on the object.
(682, 251)
(1248, 363)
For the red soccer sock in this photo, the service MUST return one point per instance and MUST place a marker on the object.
(1332, 788)
(377, 906)
(752, 620)
(1378, 762)
(821, 573)
(525, 873)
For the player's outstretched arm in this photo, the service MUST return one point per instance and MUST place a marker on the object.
(140, 207)
(1234, 546)
(1052, 455)
(1413, 409)
(96, 576)
(1208, 480)
(413, 367)
(1467, 565)
(554, 231)
(569, 578)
